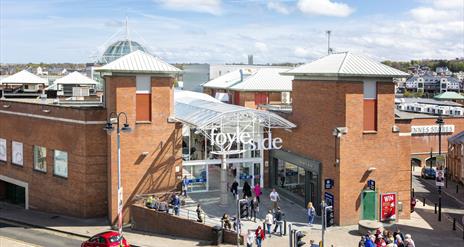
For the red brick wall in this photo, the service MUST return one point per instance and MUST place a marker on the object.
(319, 107)
(155, 172)
(83, 193)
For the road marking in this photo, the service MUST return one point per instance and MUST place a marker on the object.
(9, 242)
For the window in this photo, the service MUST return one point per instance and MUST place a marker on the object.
(143, 98)
(2, 149)
(17, 153)
(370, 105)
(61, 164)
(261, 98)
(40, 158)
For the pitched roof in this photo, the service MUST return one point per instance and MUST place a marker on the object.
(139, 62)
(74, 78)
(457, 139)
(449, 96)
(265, 79)
(346, 64)
(24, 77)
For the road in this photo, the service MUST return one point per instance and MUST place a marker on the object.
(426, 188)
(37, 237)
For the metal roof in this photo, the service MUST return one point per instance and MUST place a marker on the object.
(457, 139)
(205, 112)
(449, 96)
(265, 79)
(346, 64)
(74, 78)
(139, 62)
(426, 101)
(24, 77)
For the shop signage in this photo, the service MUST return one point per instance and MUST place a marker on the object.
(196, 180)
(245, 177)
(388, 206)
(226, 140)
(440, 178)
(371, 184)
(329, 183)
(329, 199)
(431, 129)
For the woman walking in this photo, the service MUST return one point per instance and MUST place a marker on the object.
(259, 236)
(311, 213)
(246, 190)
(257, 190)
(269, 220)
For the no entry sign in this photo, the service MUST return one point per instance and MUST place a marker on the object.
(388, 206)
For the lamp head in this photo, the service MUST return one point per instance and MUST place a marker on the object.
(440, 120)
(108, 128)
(126, 128)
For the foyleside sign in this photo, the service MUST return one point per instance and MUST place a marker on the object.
(431, 129)
(225, 140)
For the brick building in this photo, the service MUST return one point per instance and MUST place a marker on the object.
(343, 107)
(455, 157)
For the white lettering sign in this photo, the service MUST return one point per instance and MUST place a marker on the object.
(225, 140)
(431, 129)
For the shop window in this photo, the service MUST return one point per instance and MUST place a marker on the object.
(61, 164)
(143, 98)
(40, 158)
(261, 98)
(291, 177)
(370, 105)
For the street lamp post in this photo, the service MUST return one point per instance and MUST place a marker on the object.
(109, 129)
(440, 123)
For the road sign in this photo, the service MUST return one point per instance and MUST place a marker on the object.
(371, 184)
(440, 178)
(329, 183)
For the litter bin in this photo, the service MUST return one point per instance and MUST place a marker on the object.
(218, 235)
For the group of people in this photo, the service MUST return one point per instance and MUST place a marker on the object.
(386, 238)
(163, 206)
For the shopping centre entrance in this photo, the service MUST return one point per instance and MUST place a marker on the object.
(223, 142)
(13, 191)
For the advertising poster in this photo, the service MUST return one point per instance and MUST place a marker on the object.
(440, 178)
(388, 206)
(17, 153)
(2, 149)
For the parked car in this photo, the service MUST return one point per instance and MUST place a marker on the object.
(428, 172)
(106, 239)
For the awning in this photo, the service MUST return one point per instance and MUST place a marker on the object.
(204, 112)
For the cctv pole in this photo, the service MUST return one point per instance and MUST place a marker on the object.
(238, 221)
(323, 222)
(223, 199)
(119, 180)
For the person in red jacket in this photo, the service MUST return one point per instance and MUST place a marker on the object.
(259, 236)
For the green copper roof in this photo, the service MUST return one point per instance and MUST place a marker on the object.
(449, 96)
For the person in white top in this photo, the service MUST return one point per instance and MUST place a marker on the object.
(250, 238)
(269, 220)
(274, 196)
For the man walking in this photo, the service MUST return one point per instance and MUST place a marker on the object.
(278, 220)
(274, 196)
(176, 204)
(184, 185)
(254, 205)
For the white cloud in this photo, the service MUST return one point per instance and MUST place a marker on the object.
(205, 6)
(428, 14)
(278, 7)
(324, 7)
(261, 47)
(447, 4)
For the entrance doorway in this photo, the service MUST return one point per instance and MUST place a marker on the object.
(369, 205)
(12, 193)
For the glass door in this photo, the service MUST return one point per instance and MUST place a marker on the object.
(197, 177)
(245, 173)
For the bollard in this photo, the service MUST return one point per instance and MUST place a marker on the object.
(290, 235)
(412, 192)
(457, 188)
(285, 227)
(439, 209)
(454, 224)
(435, 208)
(264, 228)
(423, 201)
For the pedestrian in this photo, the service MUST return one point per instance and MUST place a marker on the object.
(408, 242)
(278, 220)
(312, 244)
(362, 241)
(254, 206)
(246, 190)
(185, 183)
(234, 188)
(200, 214)
(389, 237)
(399, 241)
(149, 202)
(257, 190)
(379, 242)
(175, 202)
(269, 220)
(274, 196)
(259, 236)
(370, 241)
(250, 238)
(311, 213)
(398, 232)
(226, 221)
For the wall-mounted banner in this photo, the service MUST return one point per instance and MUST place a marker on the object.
(440, 178)
(387, 206)
(431, 129)
(329, 199)
(17, 151)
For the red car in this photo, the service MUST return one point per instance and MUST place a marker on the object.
(106, 239)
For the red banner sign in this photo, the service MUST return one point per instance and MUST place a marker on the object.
(388, 206)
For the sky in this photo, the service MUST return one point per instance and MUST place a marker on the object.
(226, 31)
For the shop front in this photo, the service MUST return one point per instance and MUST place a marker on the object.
(297, 177)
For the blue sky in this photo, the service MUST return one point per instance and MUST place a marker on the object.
(219, 31)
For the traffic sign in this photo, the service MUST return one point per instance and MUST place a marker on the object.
(329, 183)
(371, 184)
